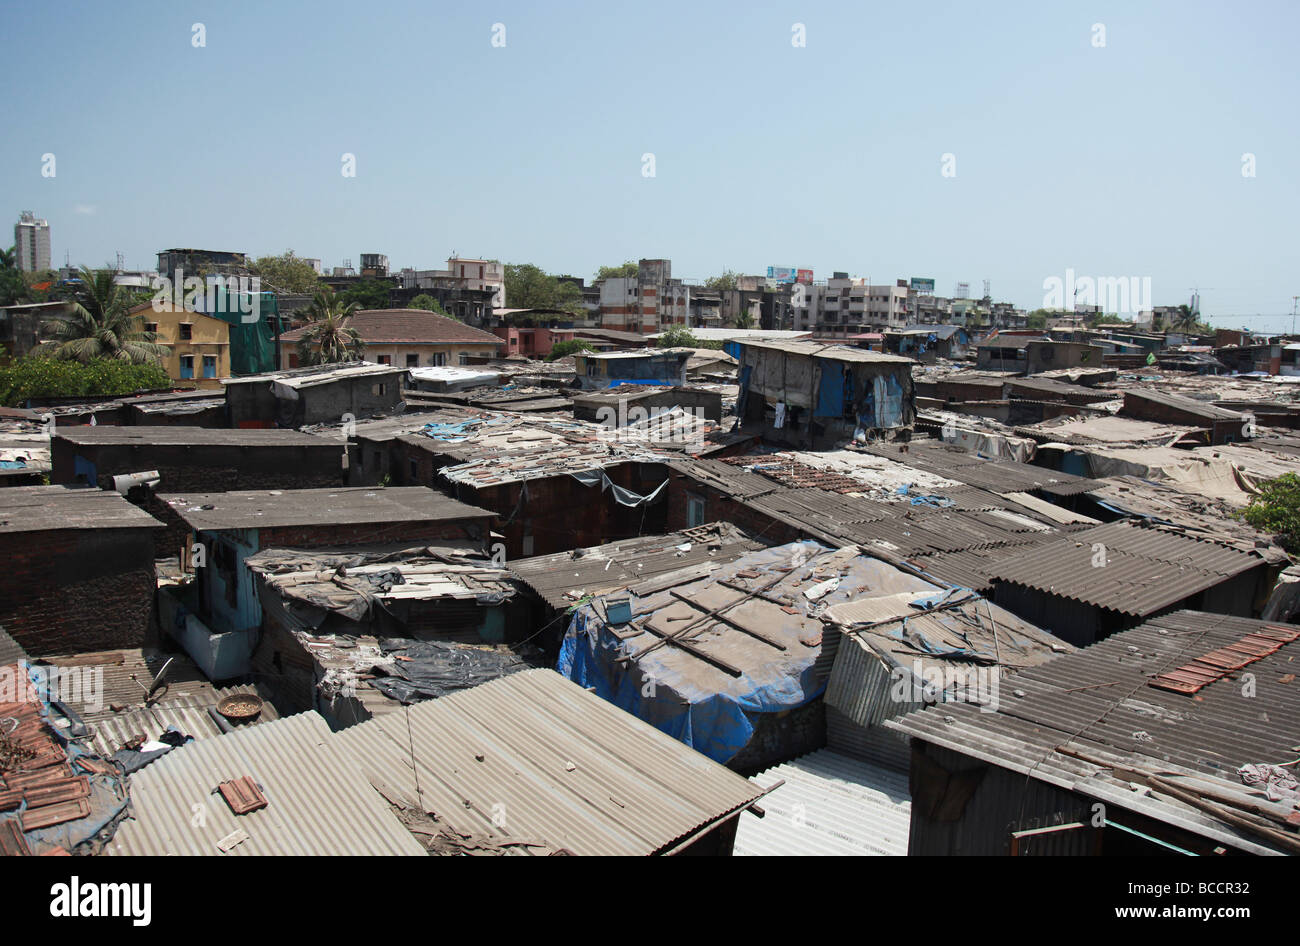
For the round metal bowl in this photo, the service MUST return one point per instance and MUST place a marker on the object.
(240, 707)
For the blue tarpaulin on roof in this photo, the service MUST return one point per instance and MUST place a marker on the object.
(693, 702)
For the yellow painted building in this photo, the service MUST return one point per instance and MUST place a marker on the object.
(198, 344)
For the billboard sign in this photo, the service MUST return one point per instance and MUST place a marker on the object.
(804, 276)
(781, 274)
(923, 286)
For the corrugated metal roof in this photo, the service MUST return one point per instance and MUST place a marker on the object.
(1098, 702)
(725, 477)
(830, 805)
(535, 758)
(10, 650)
(320, 802)
(995, 475)
(189, 714)
(826, 351)
(1145, 569)
(1135, 399)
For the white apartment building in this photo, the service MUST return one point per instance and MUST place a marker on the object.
(31, 243)
(461, 273)
(850, 301)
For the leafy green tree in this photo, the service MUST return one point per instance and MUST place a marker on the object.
(1038, 319)
(627, 270)
(745, 319)
(328, 337)
(1105, 318)
(101, 325)
(368, 293)
(429, 304)
(12, 288)
(563, 349)
(679, 336)
(729, 279)
(286, 273)
(44, 377)
(530, 287)
(568, 297)
(1275, 509)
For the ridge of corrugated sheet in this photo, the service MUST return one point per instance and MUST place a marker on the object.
(830, 805)
(631, 789)
(320, 802)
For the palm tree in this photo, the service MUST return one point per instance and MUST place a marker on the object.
(101, 325)
(8, 258)
(329, 338)
(1186, 320)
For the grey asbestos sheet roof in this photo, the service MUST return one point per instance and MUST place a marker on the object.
(266, 509)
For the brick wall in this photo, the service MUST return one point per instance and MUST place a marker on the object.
(719, 507)
(323, 536)
(77, 591)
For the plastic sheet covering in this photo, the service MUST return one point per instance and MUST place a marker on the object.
(830, 397)
(624, 497)
(434, 668)
(252, 344)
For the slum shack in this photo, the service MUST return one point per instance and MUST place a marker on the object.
(1223, 425)
(732, 664)
(139, 460)
(658, 366)
(535, 471)
(324, 394)
(1051, 355)
(217, 617)
(352, 633)
(78, 569)
(815, 395)
(1139, 745)
(903, 651)
(1003, 352)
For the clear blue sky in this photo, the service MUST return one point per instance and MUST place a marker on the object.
(1117, 161)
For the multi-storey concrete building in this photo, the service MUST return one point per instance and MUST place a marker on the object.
(649, 302)
(852, 304)
(472, 276)
(31, 243)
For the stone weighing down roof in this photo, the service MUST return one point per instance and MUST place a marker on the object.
(266, 509)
